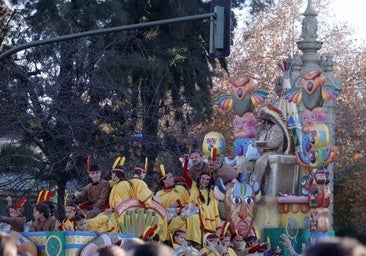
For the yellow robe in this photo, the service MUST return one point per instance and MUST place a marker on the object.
(208, 219)
(68, 225)
(141, 191)
(103, 222)
(178, 192)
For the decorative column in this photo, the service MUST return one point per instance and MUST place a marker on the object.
(314, 89)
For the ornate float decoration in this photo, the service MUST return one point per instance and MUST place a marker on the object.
(313, 88)
(240, 204)
(213, 140)
(138, 222)
(144, 223)
(244, 98)
(298, 204)
(244, 132)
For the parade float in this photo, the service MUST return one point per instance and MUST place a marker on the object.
(294, 197)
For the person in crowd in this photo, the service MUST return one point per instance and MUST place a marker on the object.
(140, 190)
(80, 223)
(226, 241)
(336, 246)
(93, 198)
(237, 244)
(111, 250)
(151, 248)
(130, 244)
(68, 223)
(7, 245)
(16, 218)
(212, 246)
(220, 169)
(25, 246)
(121, 190)
(178, 239)
(42, 219)
(171, 196)
(201, 214)
(198, 164)
(180, 245)
(51, 205)
(216, 166)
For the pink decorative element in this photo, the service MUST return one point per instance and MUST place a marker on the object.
(244, 126)
(316, 116)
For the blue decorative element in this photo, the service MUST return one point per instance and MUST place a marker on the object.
(241, 146)
(139, 136)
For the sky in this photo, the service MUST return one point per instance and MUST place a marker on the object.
(352, 11)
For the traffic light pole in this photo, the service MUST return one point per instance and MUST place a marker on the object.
(18, 48)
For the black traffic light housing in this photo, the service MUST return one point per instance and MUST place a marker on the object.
(220, 40)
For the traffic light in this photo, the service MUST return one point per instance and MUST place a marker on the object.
(220, 28)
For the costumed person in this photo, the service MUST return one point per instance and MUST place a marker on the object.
(237, 244)
(220, 169)
(226, 241)
(171, 196)
(212, 246)
(7, 244)
(201, 215)
(93, 198)
(198, 165)
(134, 210)
(180, 245)
(140, 190)
(42, 219)
(253, 245)
(16, 218)
(178, 239)
(68, 223)
(109, 220)
(81, 223)
(51, 206)
(273, 137)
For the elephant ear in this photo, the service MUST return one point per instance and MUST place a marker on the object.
(220, 189)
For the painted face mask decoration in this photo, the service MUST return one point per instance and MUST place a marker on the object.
(239, 199)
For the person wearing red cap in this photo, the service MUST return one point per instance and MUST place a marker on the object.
(93, 198)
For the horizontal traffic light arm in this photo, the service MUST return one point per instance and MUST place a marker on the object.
(102, 31)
